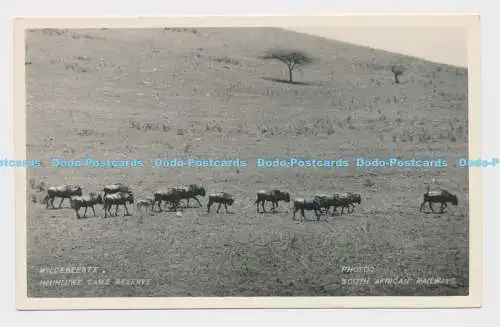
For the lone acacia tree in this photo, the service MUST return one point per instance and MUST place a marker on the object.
(397, 71)
(291, 58)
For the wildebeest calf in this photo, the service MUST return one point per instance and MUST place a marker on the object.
(221, 198)
(85, 201)
(63, 192)
(438, 196)
(274, 196)
(303, 204)
(120, 198)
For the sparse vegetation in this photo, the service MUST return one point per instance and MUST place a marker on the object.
(226, 60)
(397, 71)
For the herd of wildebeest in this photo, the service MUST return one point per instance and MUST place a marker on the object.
(119, 194)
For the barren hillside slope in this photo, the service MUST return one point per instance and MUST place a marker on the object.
(205, 93)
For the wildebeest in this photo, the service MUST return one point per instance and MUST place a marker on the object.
(191, 192)
(353, 198)
(274, 196)
(115, 188)
(310, 205)
(438, 196)
(171, 196)
(222, 198)
(63, 192)
(119, 198)
(144, 203)
(85, 201)
(335, 200)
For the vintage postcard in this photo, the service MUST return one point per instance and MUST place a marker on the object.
(248, 162)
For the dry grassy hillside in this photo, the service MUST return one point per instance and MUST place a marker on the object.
(204, 93)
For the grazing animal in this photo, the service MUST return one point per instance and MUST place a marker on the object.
(355, 198)
(274, 196)
(221, 198)
(171, 196)
(191, 192)
(63, 192)
(144, 203)
(120, 198)
(85, 201)
(325, 201)
(302, 204)
(115, 188)
(438, 196)
(343, 200)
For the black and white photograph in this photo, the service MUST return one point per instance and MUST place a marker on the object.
(190, 161)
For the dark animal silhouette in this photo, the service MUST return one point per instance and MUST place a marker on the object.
(117, 199)
(63, 192)
(191, 192)
(115, 188)
(273, 196)
(438, 196)
(222, 198)
(85, 201)
(302, 204)
(171, 196)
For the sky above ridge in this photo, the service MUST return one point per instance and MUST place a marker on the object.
(445, 44)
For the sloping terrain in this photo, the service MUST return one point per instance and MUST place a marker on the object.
(204, 93)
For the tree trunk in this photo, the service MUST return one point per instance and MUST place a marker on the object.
(290, 75)
(396, 79)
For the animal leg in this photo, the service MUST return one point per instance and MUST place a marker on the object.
(159, 205)
(85, 212)
(274, 208)
(302, 214)
(116, 210)
(317, 213)
(199, 203)
(294, 211)
(60, 203)
(218, 208)
(77, 215)
(126, 210)
(92, 206)
(430, 206)
(225, 206)
(422, 206)
(263, 205)
(209, 205)
(105, 211)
